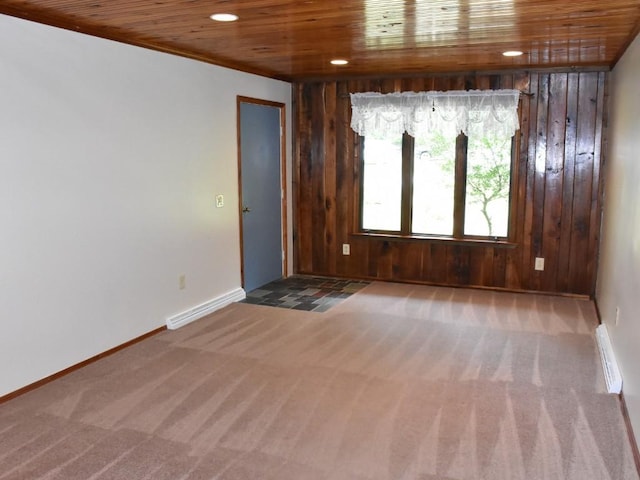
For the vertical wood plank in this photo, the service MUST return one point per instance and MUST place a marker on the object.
(553, 178)
(528, 167)
(585, 144)
(302, 243)
(517, 225)
(499, 267)
(330, 170)
(409, 262)
(299, 143)
(539, 174)
(437, 268)
(344, 175)
(317, 158)
(557, 194)
(571, 121)
(481, 266)
(596, 185)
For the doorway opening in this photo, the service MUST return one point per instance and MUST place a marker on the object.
(262, 191)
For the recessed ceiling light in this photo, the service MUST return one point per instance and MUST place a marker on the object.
(224, 17)
(512, 53)
(339, 61)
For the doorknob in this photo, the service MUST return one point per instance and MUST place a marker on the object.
(246, 209)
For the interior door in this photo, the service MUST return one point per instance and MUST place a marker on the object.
(261, 193)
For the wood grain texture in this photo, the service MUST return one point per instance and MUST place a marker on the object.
(557, 193)
(296, 40)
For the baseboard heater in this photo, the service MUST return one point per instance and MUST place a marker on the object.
(609, 365)
(202, 310)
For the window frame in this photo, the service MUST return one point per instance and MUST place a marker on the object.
(458, 236)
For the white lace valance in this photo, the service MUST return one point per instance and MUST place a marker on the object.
(473, 112)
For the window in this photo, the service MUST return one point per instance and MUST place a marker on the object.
(382, 183)
(437, 185)
(437, 164)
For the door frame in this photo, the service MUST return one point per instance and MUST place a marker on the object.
(283, 178)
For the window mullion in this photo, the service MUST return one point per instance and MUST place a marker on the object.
(460, 186)
(407, 182)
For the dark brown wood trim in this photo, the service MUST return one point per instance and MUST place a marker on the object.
(283, 177)
(466, 241)
(427, 283)
(129, 38)
(514, 182)
(470, 73)
(406, 203)
(623, 408)
(358, 179)
(460, 186)
(634, 33)
(77, 366)
(632, 437)
(239, 147)
(597, 307)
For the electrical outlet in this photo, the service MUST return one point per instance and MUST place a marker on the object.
(346, 249)
(219, 201)
(182, 281)
(539, 265)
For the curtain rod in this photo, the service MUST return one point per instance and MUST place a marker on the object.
(347, 95)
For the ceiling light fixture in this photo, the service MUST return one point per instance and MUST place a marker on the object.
(512, 53)
(224, 17)
(339, 61)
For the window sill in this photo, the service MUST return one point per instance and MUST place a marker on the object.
(467, 242)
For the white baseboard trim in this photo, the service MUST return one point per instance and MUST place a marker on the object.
(204, 309)
(609, 364)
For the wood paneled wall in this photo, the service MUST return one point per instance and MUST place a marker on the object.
(558, 193)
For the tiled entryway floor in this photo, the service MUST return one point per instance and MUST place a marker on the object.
(300, 292)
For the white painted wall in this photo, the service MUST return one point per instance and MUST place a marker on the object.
(619, 269)
(110, 159)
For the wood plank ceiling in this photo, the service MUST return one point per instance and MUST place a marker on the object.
(296, 39)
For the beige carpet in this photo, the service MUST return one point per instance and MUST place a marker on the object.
(398, 382)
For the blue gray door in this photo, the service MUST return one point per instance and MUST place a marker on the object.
(261, 197)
